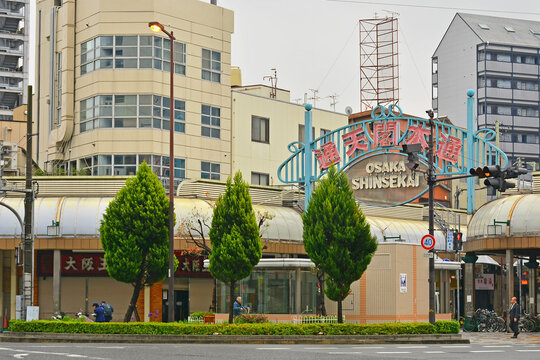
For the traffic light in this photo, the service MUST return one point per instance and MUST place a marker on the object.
(412, 151)
(496, 178)
(458, 244)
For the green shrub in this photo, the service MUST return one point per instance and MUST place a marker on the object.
(201, 313)
(447, 327)
(251, 319)
(155, 328)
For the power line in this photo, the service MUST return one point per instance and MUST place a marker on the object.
(414, 61)
(434, 7)
(339, 55)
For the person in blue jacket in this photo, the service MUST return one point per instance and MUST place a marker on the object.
(98, 312)
(238, 308)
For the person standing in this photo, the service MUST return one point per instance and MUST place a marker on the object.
(238, 308)
(98, 312)
(107, 310)
(515, 313)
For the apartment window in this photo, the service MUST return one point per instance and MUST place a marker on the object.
(130, 111)
(106, 165)
(434, 65)
(302, 133)
(260, 127)
(325, 139)
(211, 65)
(131, 52)
(260, 179)
(210, 170)
(210, 121)
(526, 85)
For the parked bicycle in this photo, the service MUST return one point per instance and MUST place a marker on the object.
(527, 323)
(485, 321)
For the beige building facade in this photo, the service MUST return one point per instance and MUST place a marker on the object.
(102, 103)
(258, 150)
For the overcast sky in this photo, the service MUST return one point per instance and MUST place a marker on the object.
(314, 44)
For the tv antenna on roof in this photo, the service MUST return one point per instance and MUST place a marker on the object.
(273, 83)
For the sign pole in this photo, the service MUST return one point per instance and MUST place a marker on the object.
(470, 150)
(307, 155)
(431, 230)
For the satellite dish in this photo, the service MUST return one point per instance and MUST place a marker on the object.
(348, 110)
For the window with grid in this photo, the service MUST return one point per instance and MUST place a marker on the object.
(210, 121)
(131, 52)
(210, 170)
(211, 65)
(102, 165)
(130, 111)
(260, 127)
(260, 179)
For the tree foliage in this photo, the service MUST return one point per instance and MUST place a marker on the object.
(337, 236)
(234, 236)
(135, 233)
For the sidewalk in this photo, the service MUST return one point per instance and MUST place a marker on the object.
(502, 338)
(234, 339)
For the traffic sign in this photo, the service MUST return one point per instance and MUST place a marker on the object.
(428, 242)
(450, 240)
(428, 255)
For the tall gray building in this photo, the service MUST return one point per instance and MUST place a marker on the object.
(499, 59)
(14, 30)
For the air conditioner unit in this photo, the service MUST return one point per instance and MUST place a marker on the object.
(10, 155)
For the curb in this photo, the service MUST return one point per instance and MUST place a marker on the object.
(233, 339)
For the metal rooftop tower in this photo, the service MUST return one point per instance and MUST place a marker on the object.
(379, 67)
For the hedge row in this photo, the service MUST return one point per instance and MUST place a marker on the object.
(155, 328)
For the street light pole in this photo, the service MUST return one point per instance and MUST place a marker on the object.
(431, 230)
(156, 26)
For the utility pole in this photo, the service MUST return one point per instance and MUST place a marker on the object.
(431, 184)
(28, 241)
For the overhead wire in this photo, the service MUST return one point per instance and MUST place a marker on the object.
(434, 7)
(338, 56)
(413, 60)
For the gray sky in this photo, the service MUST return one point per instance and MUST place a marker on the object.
(314, 44)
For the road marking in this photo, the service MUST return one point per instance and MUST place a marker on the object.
(110, 347)
(434, 352)
(393, 352)
(19, 356)
(274, 348)
(320, 348)
(497, 346)
(343, 352)
(455, 346)
(528, 350)
(368, 347)
(486, 351)
(412, 347)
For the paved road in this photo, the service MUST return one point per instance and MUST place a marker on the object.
(483, 349)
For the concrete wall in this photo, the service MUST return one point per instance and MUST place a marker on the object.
(456, 55)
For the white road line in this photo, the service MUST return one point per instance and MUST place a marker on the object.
(412, 347)
(455, 346)
(19, 356)
(274, 348)
(393, 352)
(497, 346)
(320, 348)
(368, 347)
(486, 351)
(528, 350)
(434, 352)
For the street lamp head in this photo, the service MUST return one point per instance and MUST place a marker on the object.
(155, 26)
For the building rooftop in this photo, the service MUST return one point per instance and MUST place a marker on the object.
(499, 30)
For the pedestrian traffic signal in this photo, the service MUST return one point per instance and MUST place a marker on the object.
(458, 244)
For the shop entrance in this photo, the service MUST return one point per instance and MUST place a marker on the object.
(181, 309)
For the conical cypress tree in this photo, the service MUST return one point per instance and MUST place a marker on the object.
(337, 236)
(234, 235)
(135, 233)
